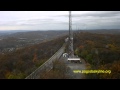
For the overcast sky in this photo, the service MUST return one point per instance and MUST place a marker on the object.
(58, 20)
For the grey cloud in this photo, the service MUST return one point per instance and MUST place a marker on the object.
(95, 14)
(94, 19)
(99, 14)
(27, 22)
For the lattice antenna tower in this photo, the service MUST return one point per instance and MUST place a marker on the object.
(71, 51)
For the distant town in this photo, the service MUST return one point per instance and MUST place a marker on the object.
(17, 40)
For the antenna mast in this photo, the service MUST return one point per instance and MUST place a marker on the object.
(71, 51)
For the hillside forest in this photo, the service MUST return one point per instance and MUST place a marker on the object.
(20, 63)
(100, 51)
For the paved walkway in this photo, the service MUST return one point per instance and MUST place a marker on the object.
(74, 66)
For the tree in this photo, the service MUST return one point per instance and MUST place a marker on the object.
(35, 58)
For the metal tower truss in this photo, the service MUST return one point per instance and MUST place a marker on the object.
(71, 50)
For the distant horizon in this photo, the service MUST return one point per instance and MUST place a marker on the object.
(59, 30)
(58, 20)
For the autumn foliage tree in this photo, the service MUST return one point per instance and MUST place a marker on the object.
(35, 58)
(22, 62)
(101, 51)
